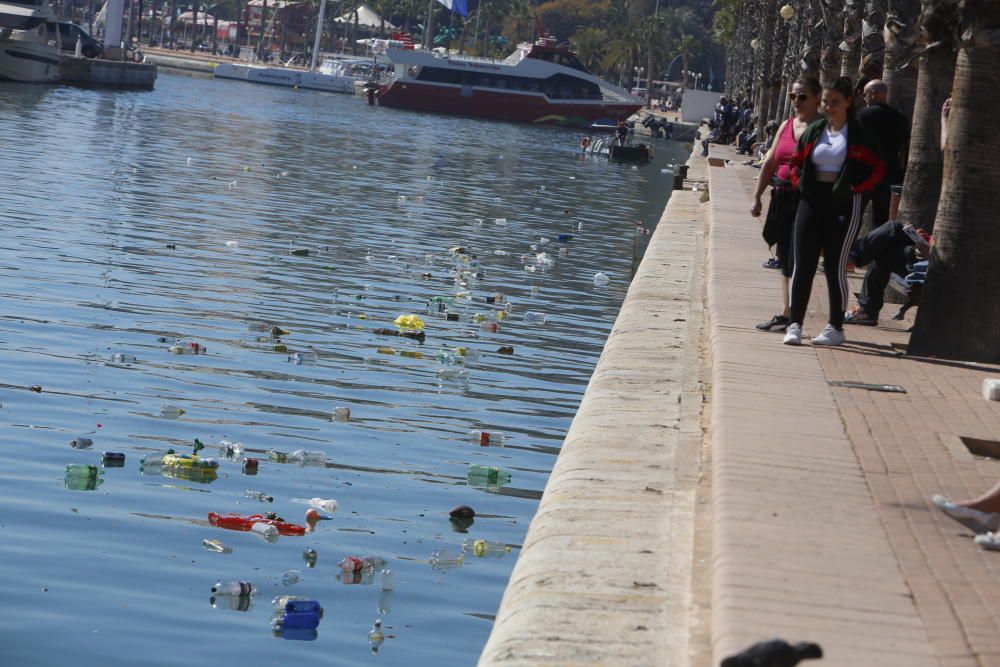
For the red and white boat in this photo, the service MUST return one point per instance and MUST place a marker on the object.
(538, 83)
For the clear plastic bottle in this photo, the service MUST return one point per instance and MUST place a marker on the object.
(216, 546)
(121, 358)
(257, 495)
(387, 580)
(309, 556)
(230, 449)
(265, 530)
(442, 560)
(307, 457)
(81, 442)
(488, 438)
(290, 577)
(376, 636)
(233, 588)
(171, 412)
(449, 358)
(328, 505)
(485, 548)
(351, 564)
(534, 317)
(307, 357)
(154, 460)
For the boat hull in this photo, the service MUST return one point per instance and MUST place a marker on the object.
(498, 105)
(28, 62)
(288, 78)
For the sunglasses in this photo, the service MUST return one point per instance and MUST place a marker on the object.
(801, 97)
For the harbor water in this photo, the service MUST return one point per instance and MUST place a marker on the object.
(259, 223)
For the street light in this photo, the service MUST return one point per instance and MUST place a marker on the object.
(787, 12)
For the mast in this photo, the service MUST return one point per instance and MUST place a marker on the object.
(429, 25)
(319, 35)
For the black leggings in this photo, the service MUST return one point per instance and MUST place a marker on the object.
(823, 224)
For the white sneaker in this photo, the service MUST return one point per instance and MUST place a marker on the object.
(793, 336)
(979, 522)
(829, 336)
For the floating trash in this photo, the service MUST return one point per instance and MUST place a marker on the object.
(216, 546)
(601, 279)
(341, 414)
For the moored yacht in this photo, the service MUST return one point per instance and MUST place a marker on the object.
(538, 83)
(29, 51)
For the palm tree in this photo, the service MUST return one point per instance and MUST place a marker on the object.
(850, 48)
(872, 41)
(829, 57)
(590, 44)
(924, 169)
(960, 312)
(902, 32)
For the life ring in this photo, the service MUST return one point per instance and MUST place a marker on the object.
(584, 142)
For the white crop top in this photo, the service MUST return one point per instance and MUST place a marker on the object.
(831, 150)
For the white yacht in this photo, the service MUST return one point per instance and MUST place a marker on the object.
(29, 51)
(334, 76)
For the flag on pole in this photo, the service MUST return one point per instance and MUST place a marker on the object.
(460, 7)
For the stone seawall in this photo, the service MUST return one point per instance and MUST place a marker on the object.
(605, 573)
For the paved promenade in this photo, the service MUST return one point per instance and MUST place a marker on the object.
(823, 529)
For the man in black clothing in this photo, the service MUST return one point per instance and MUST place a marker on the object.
(892, 129)
(885, 250)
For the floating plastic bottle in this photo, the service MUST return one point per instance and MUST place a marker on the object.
(488, 438)
(387, 580)
(233, 588)
(443, 560)
(535, 317)
(341, 414)
(277, 456)
(112, 459)
(487, 477)
(290, 577)
(81, 443)
(187, 348)
(351, 564)
(216, 546)
(230, 449)
(267, 531)
(485, 548)
(171, 412)
(601, 279)
(155, 459)
(328, 505)
(281, 604)
(257, 495)
(309, 556)
(189, 461)
(375, 636)
(306, 357)
(250, 466)
(449, 358)
(120, 358)
(307, 457)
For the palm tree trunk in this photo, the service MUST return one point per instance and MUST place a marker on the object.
(872, 41)
(194, 25)
(170, 23)
(829, 57)
(850, 48)
(959, 314)
(925, 166)
(901, 37)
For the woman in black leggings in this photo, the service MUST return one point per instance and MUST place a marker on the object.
(837, 163)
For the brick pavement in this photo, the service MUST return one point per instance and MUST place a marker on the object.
(886, 578)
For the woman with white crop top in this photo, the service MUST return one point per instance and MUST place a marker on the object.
(836, 164)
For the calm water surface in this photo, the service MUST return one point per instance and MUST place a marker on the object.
(113, 241)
